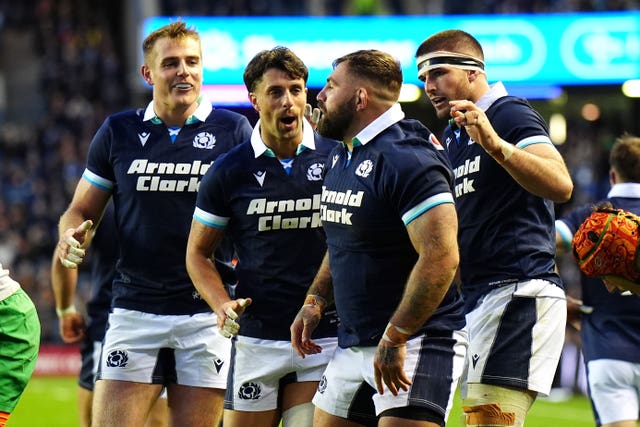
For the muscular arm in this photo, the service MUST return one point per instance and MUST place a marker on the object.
(538, 168)
(434, 237)
(88, 203)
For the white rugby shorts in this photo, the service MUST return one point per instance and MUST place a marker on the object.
(434, 364)
(614, 389)
(259, 365)
(164, 349)
(516, 335)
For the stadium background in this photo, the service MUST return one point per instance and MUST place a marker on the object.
(66, 64)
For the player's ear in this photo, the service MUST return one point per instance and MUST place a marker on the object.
(254, 101)
(473, 74)
(146, 75)
(361, 98)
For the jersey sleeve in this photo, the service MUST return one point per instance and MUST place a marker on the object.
(211, 203)
(421, 181)
(99, 170)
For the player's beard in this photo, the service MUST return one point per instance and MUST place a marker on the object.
(334, 124)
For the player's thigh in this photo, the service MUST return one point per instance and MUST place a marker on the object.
(159, 415)
(195, 406)
(122, 403)
(85, 398)
(298, 393)
(251, 418)
(325, 419)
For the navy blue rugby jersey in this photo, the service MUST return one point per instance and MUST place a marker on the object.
(395, 174)
(104, 255)
(506, 234)
(273, 218)
(612, 330)
(154, 173)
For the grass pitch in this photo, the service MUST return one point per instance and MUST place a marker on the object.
(51, 402)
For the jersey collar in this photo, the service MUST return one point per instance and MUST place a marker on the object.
(260, 148)
(200, 115)
(496, 91)
(625, 189)
(390, 117)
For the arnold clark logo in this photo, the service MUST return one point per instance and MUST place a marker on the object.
(167, 176)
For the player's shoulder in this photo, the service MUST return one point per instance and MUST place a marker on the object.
(125, 117)
(510, 106)
(323, 144)
(226, 118)
(410, 140)
(240, 156)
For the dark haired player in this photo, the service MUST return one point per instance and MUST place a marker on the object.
(507, 176)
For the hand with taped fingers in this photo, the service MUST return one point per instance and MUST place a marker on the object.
(227, 323)
(388, 362)
(305, 322)
(70, 251)
(312, 115)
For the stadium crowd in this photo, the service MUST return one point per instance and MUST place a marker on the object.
(80, 67)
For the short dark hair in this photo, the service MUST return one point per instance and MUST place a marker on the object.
(452, 41)
(378, 67)
(625, 157)
(279, 57)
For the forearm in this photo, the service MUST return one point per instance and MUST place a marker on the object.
(63, 282)
(425, 289)
(539, 170)
(322, 284)
(207, 280)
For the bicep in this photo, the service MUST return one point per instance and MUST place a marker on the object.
(203, 239)
(435, 231)
(89, 202)
(545, 151)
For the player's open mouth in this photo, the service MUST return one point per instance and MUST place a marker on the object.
(183, 86)
(288, 120)
(438, 101)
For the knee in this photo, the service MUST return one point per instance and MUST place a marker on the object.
(490, 414)
(488, 405)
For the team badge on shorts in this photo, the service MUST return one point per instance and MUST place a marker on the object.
(322, 385)
(250, 391)
(117, 359)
